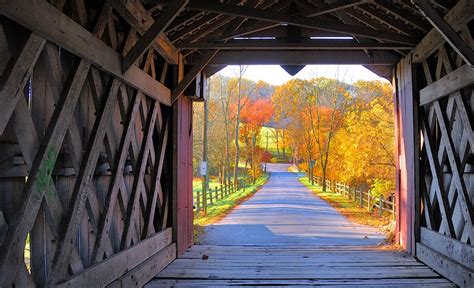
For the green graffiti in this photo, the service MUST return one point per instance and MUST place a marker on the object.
(43, 180)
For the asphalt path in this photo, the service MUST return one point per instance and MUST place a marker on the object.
(285, 212)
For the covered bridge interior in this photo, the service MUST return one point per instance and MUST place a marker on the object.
(96, 122)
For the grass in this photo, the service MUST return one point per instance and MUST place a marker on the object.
(221, 208)
(352, 211)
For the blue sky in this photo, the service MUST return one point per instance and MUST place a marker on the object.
(275, 75)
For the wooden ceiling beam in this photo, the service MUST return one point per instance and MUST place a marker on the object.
(403, 14)
(355, 57)
(139, 19)
(381, 17)
(448, 33)
(164, 19)
(333, 7)
(194, 27)
(270, 16)
(280, 44)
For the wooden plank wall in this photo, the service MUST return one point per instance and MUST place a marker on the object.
(444, 85)
(85, 148)
(405, 140)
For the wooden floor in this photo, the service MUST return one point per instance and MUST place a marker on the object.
(218, 266)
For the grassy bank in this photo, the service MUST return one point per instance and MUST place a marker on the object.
(222, 207)
(351, 209)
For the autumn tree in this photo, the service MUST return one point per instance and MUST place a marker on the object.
(254, 115)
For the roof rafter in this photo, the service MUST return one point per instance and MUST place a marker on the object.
(165, 18)
(269, 16)
(333, 7)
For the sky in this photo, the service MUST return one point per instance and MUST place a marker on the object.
(275, 75)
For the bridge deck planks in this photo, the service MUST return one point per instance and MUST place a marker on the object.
(296, 266)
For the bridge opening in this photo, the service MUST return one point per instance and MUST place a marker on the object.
(333, 126)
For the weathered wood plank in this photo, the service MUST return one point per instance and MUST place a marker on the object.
(450, 83)
(103, 273)
(140, 275)
(460, 275)
(455, 250)
(81, 188)
(39, 179)
(47, 21)
(456, 18)
(16, 75)
(116, 180)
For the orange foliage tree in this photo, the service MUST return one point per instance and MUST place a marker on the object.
(254, 115)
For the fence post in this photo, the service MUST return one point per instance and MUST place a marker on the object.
(368, 200)
(380, 206)
(393, 209)
(361, 202)
(198, 194)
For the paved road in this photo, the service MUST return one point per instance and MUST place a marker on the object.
(285, 212)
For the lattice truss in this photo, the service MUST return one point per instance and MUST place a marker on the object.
(447, 166)
(84, 171)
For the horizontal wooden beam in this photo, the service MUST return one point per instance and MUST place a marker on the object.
(333, 7)
(143, 273)
(264, 15)
(459, 274)
(453, 248)
(457, 17)
(264, 57)
(164, 19)
(51, 24)
(448, 33)
(450, 83)
(103, 273)
(279, 44)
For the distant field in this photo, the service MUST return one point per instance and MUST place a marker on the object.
(272, 144)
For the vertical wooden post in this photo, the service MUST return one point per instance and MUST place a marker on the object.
(368, 200)
(183, 169)
(380, 206)
(205, 180)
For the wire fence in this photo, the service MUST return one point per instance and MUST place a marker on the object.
(362, 198)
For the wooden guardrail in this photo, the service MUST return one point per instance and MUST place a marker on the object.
(363, 198)
(214, 193)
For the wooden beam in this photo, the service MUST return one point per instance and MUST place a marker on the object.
(39, 178)
(270, 16)
(103, 273)
(143, 273)
(333, 7)
(448, 33)
(280, 44)
(14, 79)
(189, 77)
(164, 19)
(303, 57)
(404, 15)
(136, 15)
(457, 17)
(81, 187)
(450, 83)
(50, 23)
